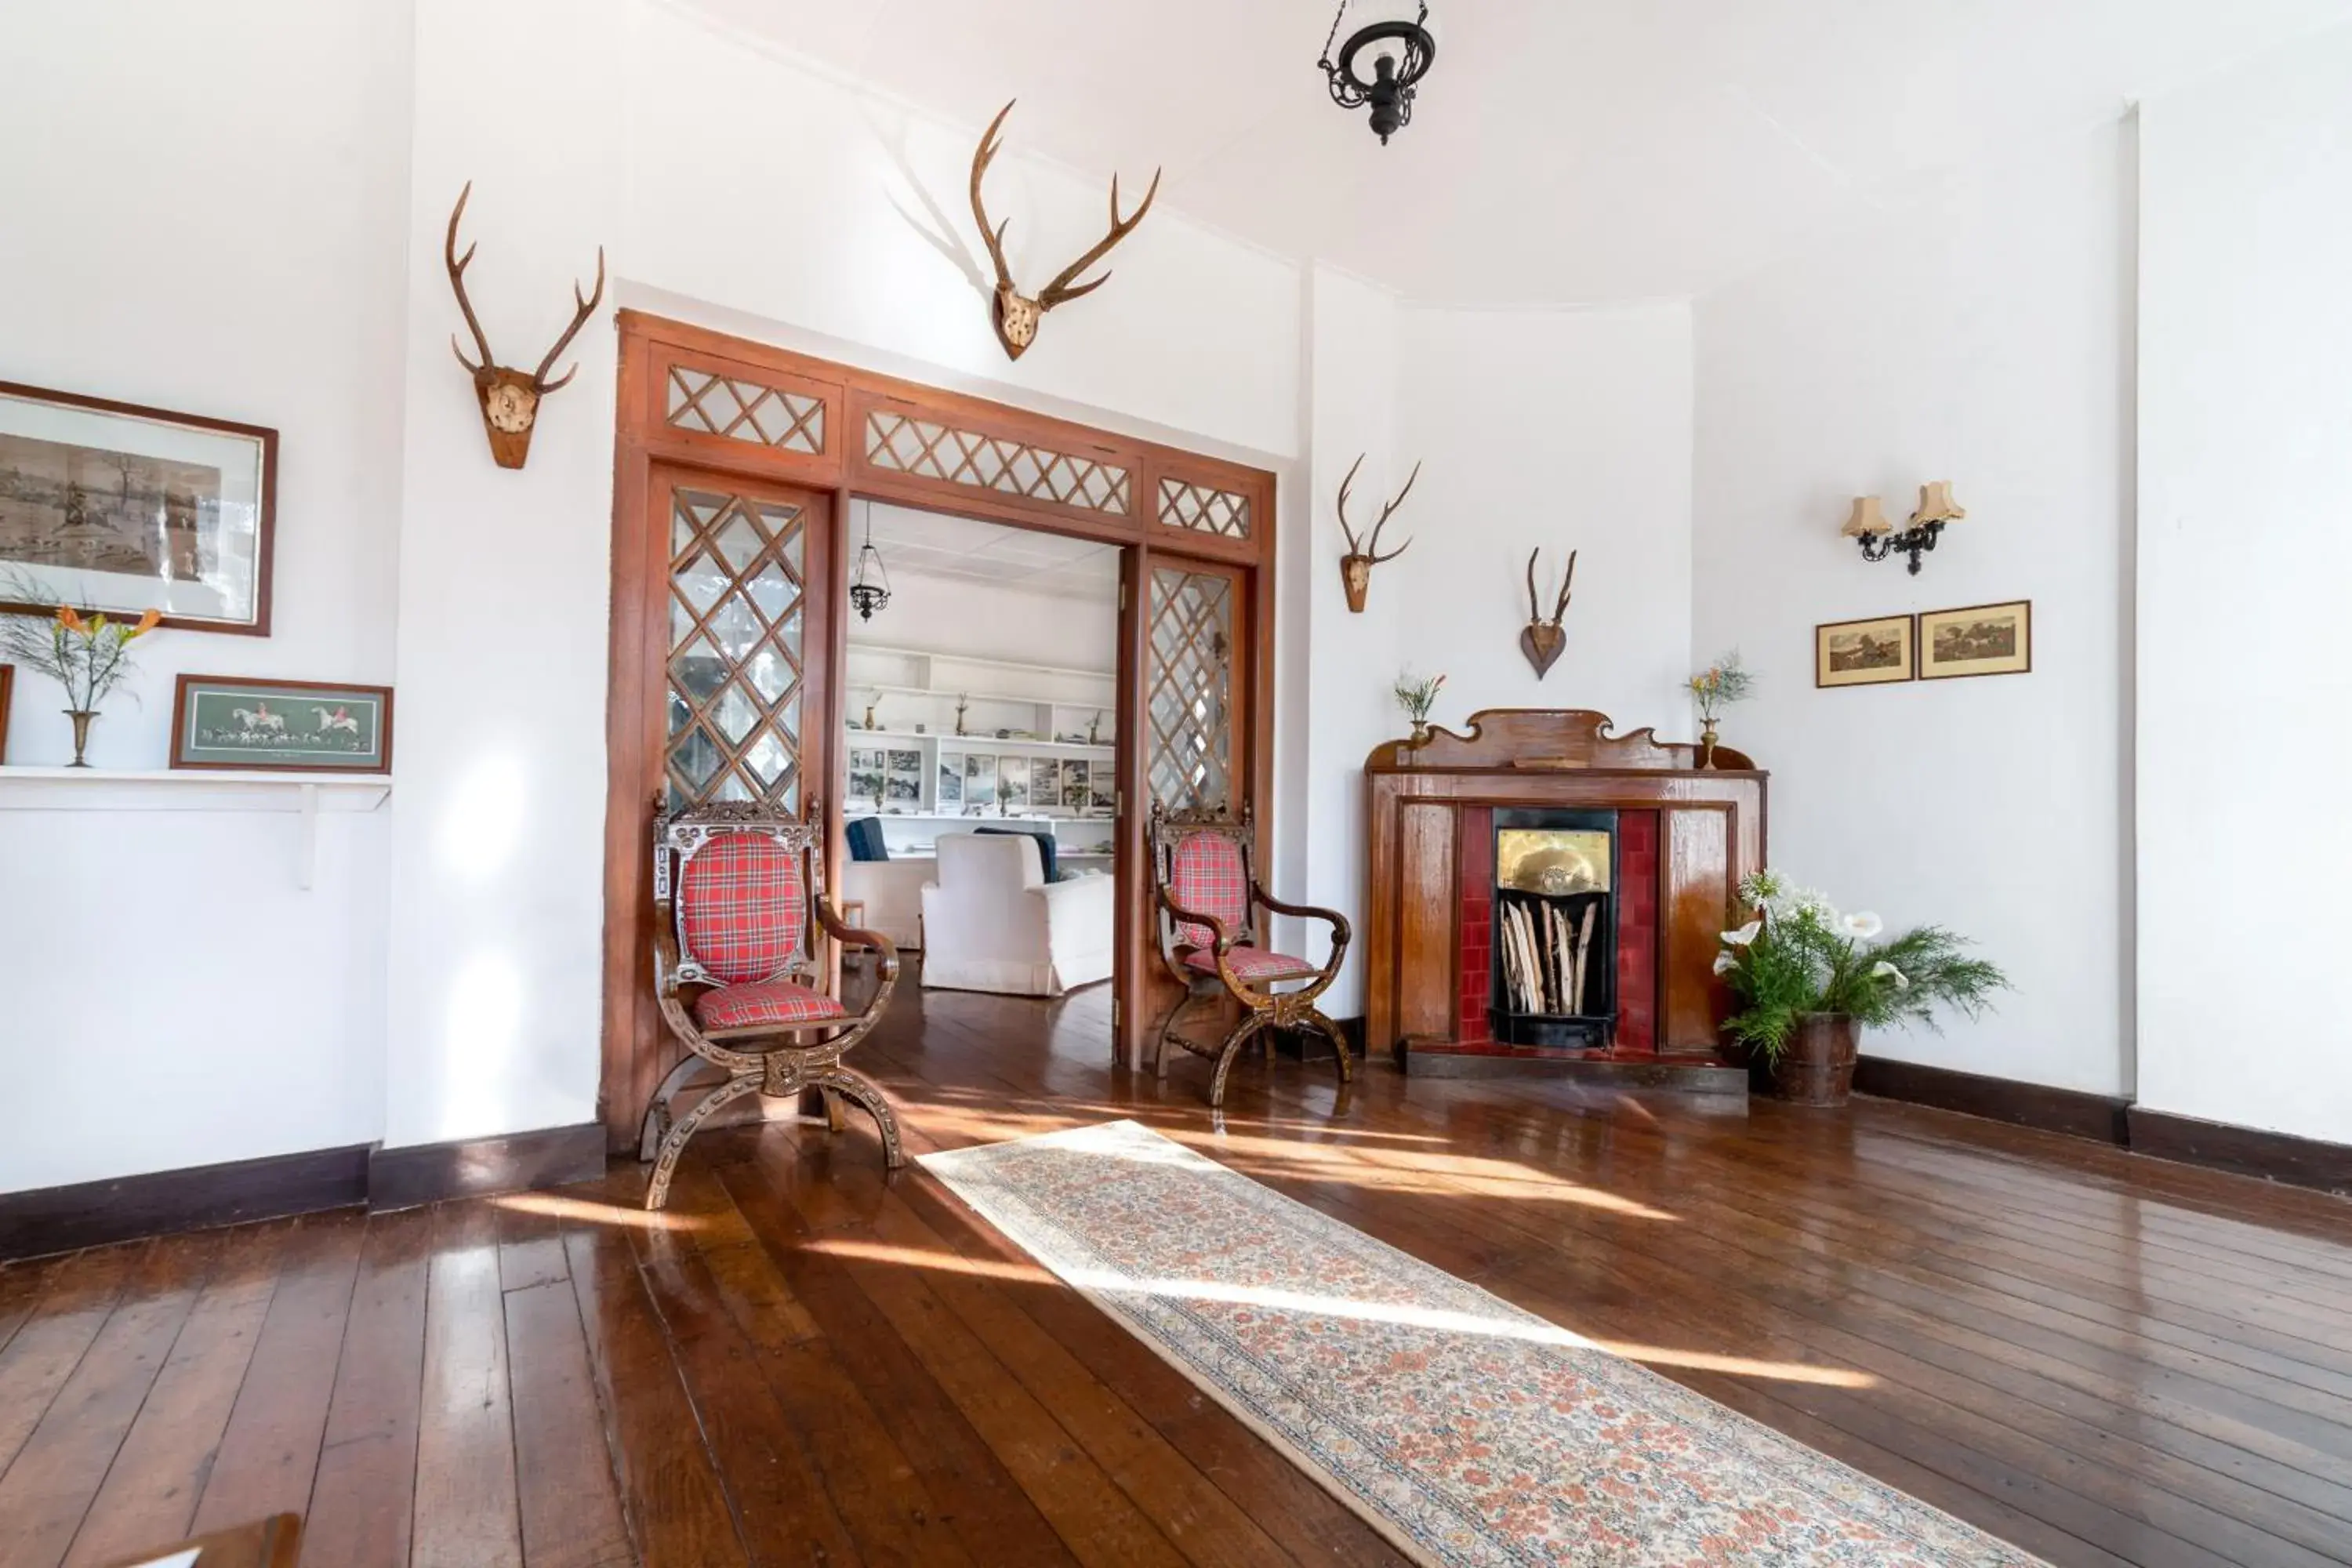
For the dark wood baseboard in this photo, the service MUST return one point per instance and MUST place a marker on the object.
(2275, 1156)
(2070, 1110)
(91, 1214)
(430, 1173)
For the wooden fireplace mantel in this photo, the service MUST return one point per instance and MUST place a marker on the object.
(1710, 824)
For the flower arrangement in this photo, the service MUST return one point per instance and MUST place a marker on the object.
(1800, 956)
(80, 649)
(1721, 684)
(1417, 698)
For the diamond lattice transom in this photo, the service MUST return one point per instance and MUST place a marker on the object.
(1190, 705)
(907, 445)
(735, 613)
(1205, 510)
(745, 411)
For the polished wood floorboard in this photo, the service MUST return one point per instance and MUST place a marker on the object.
(2104, 1359)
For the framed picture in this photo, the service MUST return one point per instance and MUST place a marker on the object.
(866, 776)
(1075, 771)
(1978, 639)
(1105, 789)
(230, 721)
(126, 510)
(7, 689)
(1862, 653)
(1013, 782)
(978, 781)
(951, 783)
(902, 781)
(1046, 783)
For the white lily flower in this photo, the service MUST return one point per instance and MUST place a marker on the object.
(1862, 924)
(1745, 934)
(1725, 960)
(1883, 970)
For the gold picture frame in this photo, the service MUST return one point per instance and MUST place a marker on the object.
(1874, 652)
(1976, 639)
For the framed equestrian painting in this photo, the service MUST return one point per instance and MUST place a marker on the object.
(123, 508)
(290, 726)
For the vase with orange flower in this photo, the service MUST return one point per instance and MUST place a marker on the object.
(80, 650)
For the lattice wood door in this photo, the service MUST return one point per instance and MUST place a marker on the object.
(1195, 688)
(742, 606)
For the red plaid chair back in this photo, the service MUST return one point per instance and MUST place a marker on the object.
(1207, 875)
(742, 907)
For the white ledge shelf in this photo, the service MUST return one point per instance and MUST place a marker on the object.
(186, 789)
(192, 789)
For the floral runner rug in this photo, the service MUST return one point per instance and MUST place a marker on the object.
(1468, 1432)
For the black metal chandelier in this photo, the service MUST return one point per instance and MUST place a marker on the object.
(1397, 69)
(870, 585)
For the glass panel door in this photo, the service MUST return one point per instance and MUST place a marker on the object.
(1190, 733)
(743, 590)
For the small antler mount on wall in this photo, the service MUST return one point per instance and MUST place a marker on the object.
(1543, 640)
(511, 398)
(1356, 566)
(1016, 316)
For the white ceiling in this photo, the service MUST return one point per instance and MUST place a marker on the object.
(935, 545)
(1563, 150)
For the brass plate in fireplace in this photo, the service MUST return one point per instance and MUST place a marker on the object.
(1552, 861)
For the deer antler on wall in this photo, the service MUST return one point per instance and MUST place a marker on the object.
(1356, 566)
(1016, 315)
(1544, 639)
(510, 397)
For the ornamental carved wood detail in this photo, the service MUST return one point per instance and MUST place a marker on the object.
(1546, 740)
(511, 398)
(1015, 315)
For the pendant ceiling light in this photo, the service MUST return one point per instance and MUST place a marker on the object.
(1401, 54)
(870, 585)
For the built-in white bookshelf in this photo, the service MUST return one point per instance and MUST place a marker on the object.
(955, 742)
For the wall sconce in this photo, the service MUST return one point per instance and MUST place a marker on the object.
(1878, 537)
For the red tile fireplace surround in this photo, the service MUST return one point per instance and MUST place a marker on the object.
(1685, 835)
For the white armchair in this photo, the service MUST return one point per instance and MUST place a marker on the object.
(992, 922)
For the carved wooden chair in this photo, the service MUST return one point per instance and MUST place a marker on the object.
(735, 890)
(1208, 897)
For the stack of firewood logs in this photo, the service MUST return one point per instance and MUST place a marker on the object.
(1544, 952)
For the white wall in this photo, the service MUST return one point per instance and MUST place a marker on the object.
(496, 912)
(1978, 332)
(1567, 429)
(1063, 628)
(171, 997)
(2245, 548)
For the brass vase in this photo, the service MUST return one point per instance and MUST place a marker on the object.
(1707, 745)
(1421, 731)
(82, 734)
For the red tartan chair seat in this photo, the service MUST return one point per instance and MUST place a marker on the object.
(1208, 897)
(1253, 963)
(770, 1004)
(739, 933)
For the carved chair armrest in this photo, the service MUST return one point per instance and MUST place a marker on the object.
(666, 958)
(849, 935)
(1333, 918)
(1216, 927)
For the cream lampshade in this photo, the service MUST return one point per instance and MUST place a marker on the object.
(1867, 518)
(1937, 505)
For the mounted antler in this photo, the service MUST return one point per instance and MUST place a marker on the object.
(1015, 314)
(1543, 639)
(510, 398)
(1356, 566)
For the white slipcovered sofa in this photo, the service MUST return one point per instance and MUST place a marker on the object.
(992, 922)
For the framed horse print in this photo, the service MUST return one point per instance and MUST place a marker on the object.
(283, 726)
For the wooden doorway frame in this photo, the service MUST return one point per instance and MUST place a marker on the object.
(787, 418)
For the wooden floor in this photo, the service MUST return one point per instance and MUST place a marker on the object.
(2104, 1360)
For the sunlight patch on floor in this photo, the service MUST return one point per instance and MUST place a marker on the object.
(585, 1211)
(1412, 1171)
(925, 1258)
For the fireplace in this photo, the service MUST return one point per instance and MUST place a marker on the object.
(1553, 939)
